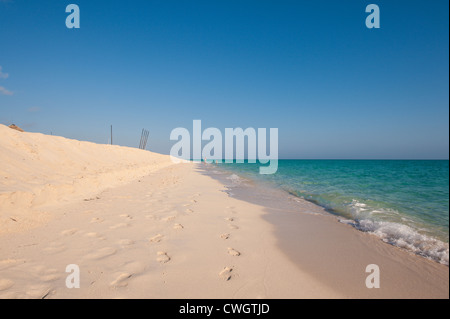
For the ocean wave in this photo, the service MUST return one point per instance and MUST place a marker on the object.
(235, 179)
(397, 234)
(388, 204)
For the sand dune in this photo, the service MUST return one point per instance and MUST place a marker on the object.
(39, 170)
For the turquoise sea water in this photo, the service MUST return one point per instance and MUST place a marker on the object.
(405, 203)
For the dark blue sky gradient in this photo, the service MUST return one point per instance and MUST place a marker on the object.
(334, 88)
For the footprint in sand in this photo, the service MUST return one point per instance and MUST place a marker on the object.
(7, 263)
(95, 235)
(233, 252)
(225, 274)
(101, 253)
(69, 232)
(120, 225)
(189, 210)
(121, 280)
(156, 239)
(234, 227)
(54, 248)
(50, 275)
(230, 219)
(170, 218)
(6, 284)
(225, 236)
(97, 220)
(134, 267)
(178, 226)
(162, 257)
(126, 242)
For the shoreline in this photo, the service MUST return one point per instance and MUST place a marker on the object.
(288, 214)
(423, 244)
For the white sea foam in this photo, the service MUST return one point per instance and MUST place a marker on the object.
(235, 179)
(397, 234)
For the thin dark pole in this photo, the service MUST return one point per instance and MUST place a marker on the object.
(111, 136)
(146, 138)
(143, 140)
(140, 142)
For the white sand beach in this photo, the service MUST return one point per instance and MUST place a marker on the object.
(139, 226)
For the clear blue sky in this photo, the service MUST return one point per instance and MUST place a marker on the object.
(334, 88)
